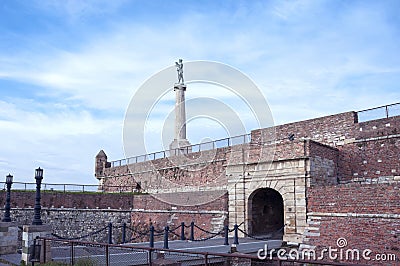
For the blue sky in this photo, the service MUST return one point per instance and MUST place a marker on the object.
(68, 69)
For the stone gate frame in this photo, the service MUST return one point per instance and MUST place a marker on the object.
(288, 177)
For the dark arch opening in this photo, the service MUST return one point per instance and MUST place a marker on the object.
(266, 213)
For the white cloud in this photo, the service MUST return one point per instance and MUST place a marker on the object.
(309, 59)
(54, 141)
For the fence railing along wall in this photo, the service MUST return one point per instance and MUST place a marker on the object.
(192, 232)
(23, 186)
(220, 143)
(89, 253)
(384, 111)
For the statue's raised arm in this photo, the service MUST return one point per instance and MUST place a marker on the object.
(179, 68)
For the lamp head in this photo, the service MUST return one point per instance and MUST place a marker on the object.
(39, 173)
(9, 179)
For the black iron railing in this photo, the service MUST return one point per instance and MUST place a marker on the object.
(46, 187)
(384, 111)
(124, 233)
(221, 143)
(90, 253)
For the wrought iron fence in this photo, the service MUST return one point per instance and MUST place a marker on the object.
(46, 187)
(124, 233)
(89, 253)
(220, 143)
(384, 111)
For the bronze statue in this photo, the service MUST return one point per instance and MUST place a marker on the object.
(179, 68)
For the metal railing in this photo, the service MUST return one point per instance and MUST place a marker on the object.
(90, 253)
(220, 143)
(384, 111)
(23, 186)
(124, 233)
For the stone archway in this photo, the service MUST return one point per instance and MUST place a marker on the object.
(266, 212)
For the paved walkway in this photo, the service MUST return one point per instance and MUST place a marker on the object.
(246, 245)
(10, 259)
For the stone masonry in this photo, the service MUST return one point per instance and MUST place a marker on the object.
(309, 182)
(309, 157)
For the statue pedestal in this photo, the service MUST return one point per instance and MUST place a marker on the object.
(8, 238)
(180, 146)
(179, 86)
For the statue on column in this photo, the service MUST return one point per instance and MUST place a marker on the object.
(179, 68)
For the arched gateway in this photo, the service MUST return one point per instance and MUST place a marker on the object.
(269, 199)
(266, 213)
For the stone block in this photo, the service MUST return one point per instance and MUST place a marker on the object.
(301, 211)
(30, 233)
(301, 202)
(165, 262)
(9, 238)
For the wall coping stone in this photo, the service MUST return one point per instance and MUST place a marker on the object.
(130, 210)
(355, 215)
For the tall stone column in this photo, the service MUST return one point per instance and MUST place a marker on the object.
(180, 142)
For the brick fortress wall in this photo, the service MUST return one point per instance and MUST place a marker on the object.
(78, 214)
(366, 215)
(354, 177)
(353, 190)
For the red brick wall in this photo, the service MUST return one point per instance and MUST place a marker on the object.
(197, 169)
(174, 215)
(360, 198)
(377, 235)
(377, 128)
(142, 221)
(328, 129)
(124, 201)
(55, 199)
(370, 159)
(365, 215)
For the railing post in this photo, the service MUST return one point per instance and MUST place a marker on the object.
(124, 233)
(226, 232)
(235, 236)
(166, 230)
(44, 250)
(206, 259)
(72, 253)
(151, 236)
(182, 230)
(150, 254)
(107, 256)
(387, 112)
(110, 233)
(192, 231)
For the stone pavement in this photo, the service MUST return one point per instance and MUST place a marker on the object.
(10, 259)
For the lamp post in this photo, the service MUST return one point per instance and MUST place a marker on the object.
(38, 177)
(9, 181)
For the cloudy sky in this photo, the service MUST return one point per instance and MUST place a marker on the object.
(69, 69)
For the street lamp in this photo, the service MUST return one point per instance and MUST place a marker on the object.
(9, 181)
(38, 177)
